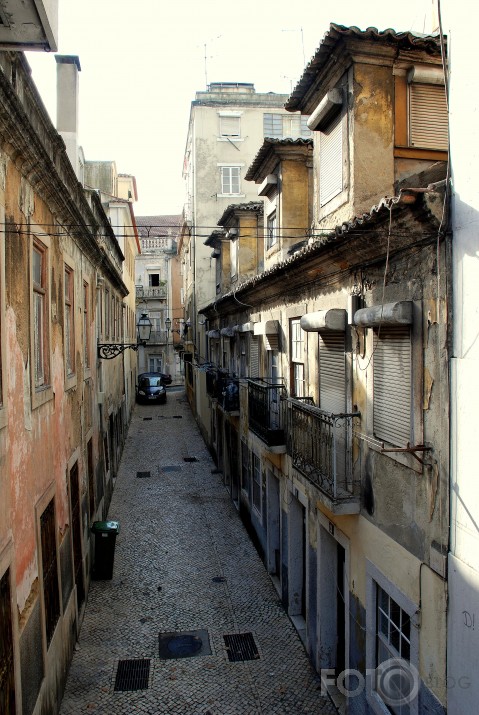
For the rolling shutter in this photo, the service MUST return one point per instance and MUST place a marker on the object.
(254, 357)
(392, 386)
(332, 373)
(428, 116)
(331, 161)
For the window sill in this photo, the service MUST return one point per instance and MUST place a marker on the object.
(229, 139)
(41, 395)
(3, 417)
(229, 196)
(70, 381)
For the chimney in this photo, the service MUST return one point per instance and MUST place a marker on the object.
(68, 67)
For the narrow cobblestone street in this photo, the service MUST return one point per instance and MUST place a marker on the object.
(184, 563)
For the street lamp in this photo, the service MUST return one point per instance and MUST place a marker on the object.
(108, 351)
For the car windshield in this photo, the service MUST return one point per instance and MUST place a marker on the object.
(150, 382)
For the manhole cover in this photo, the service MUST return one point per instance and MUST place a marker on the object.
(186, 644)
(190, 459)
(171, 469)
(143, 475)
(132, 674)
(241, 646)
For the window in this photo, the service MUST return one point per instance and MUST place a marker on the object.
(69, 322)
(2, 332)
(282, 126)
(86, 324)
(7, 672)
(245, 468)
(271, 231)
(234, 258)
(257, 485)
(40, 307)
(48, 546)
(297, 358)
(332, 372)
(153, 280)
(428, 116)
(392, 634)
(230, 179)
(392, 385)
(331, 161)
(230, 126)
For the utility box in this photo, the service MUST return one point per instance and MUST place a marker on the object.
(105, 540)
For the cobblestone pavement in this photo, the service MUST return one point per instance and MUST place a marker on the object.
(183, 563)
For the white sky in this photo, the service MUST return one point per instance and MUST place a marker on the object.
(143, 60)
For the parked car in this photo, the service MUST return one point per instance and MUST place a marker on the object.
(150, 388)
(165, 378)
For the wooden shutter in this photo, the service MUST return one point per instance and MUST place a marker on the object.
(392, 386)
(332, 372)
(331, 161)
(254, 357)
(428, 116)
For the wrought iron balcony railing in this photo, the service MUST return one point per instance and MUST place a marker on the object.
(319, 444)
(158, 337)
(224, 388)
(151, 291)
(264, 410)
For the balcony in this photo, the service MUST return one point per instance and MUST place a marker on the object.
(158, 337)
(224, 388)
(151, 291)
(319, 444)
(264, 412)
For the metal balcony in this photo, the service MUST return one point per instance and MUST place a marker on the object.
(151, 291)
(224, 388)
(158, 337)
(319, 444)
(264, 411)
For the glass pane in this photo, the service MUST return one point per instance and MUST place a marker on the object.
(394, 639)
(37, 266)
(383, 600)
(383, 624)
(395, 613)
(405, 649)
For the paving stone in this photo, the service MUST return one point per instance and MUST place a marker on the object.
(178, 532)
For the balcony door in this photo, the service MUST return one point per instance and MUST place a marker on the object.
(273, 374)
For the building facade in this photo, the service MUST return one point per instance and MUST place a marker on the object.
(327, 370)
(64, 282)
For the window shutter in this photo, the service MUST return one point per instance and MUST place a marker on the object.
(392, 386)
(332, 372)
(331, 161)
(428, 116)
(230, 126)
(254, 357)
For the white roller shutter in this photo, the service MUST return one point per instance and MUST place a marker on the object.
(331, 161)
(392, 386)
(254, 357)
(332, 372)
(428, 116)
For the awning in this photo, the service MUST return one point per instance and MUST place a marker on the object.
(399, 313)
(227, 332)
(323, 320)
(214, 334)
(268, 327)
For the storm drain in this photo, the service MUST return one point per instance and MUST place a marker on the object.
(241, 646)
(177, 417)
(171, 468)
(186, 644)
(146, 419)
(218, 579)
(190, 459)
(132, 674)
(143, 475)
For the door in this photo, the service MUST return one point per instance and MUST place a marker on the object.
(76, 535)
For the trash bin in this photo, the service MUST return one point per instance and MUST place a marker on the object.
(105, 538)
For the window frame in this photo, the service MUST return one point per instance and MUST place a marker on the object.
(333, 200)
(69, 322)
(3, 331)
(245, 469)
(297, 346)
(256, 485)
(43, 392)
(272, 238)
(86, 325)
(375, 578)
(41, 507)
(225, 118)
(228, 183)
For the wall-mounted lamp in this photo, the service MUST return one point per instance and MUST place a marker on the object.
(108, 351)
(186, 325)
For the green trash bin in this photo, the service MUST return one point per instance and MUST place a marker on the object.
(105, 539)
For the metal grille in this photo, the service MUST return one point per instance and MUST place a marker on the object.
(241, 646)
(147, 419)
(143, 475)
(132, 674)
(190, 459)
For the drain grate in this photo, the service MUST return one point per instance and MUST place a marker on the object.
(146, 419)
(218, 579)
(190, 459)
(132, 674)
(241, 646)
(186, 644)
(143, 475)
(177, 417)
(170, 469)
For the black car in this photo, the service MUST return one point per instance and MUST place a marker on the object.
(150, 388)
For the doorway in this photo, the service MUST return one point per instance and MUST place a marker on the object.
(273, 535)
(76, 535)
